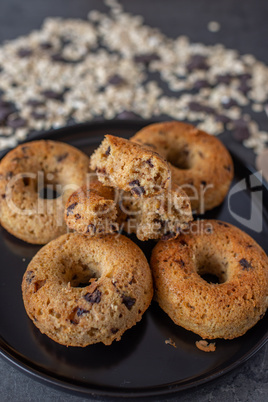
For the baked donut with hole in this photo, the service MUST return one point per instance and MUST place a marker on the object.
(36, 180)
(81, 290)
(199, 162)
(226, 309)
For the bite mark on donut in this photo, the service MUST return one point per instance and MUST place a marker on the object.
(94, 297)
(128, 301)
(245, 264)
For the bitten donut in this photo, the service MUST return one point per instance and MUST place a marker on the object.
(27, 173)
(92, 210)
(160, 217)
(213, 310)
(80, 290)
(130, 167)
(199, 162)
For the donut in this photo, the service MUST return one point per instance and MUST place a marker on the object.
(199, 162)
(130, 167)
(226, 309)
(92, 210)
(81, 290)
(26, 174)
(160, 217)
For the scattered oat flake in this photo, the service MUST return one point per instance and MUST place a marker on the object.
(214, 26)
(205, 346)
(73, 71)
(170, 342)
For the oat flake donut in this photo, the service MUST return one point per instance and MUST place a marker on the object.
(196, 159)
(80, 290)
(32, 167)
(223, 310)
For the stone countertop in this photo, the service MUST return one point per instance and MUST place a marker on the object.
(244, 27)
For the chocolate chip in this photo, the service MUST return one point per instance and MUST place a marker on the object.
(58, 57)
(65, 41)
(81, 311)
(24, 52)
(108, 151)
(128, 301)
(26, 181)
(223, 224)
(17, 122)
(245, 264)
(229, 168)
(134, 183)
(30, 276)
(181, 262)
(222, 118)
(61, 157)
(183, 243)
(146, 58)
(38, 116)
(244, 76)
(35, 102)
(50, 94)
(244, 87)
(116, 79)
(201, 154)
(224, 79)
(94, 297)
(149, 161)
(114, 330)
(77, 216)
(101, 170)
(203, 182)
(46, 45)
(6, 108)
(228, 103)
(138, 190)
(197, 62)
(199, 84)
(168, 236)
(197, 107)
(71, 208)
(240, 130)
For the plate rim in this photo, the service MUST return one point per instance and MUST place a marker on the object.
(12, 356)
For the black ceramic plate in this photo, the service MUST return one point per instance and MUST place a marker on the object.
(141, 364)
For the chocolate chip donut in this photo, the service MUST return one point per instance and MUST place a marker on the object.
(199, 162)
(130, 167)
(160, 217)
(92, 210)
(28, 173)
(213, 310)
(80, 290)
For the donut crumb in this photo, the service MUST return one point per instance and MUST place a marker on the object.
(205, 346)
(170, 342)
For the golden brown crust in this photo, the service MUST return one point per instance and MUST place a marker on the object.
(119, 288)
(225, 310)
(23, 212)
(196, 159)
(130, 167)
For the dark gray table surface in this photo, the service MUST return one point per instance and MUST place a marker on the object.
(243, 27)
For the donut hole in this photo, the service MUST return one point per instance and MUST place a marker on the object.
(212, 270)
(83, 274)
(179, 158)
